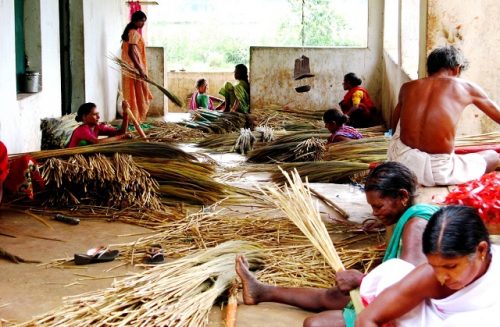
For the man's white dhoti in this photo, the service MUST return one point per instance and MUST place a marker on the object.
(436, 169)
(476, 304)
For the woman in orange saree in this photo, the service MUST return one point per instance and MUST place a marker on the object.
(136, 92)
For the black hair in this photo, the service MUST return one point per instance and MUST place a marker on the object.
(136, 17)
(454, 231)
(84, 109)
(242, 72)
(200, 82)
(335, 115)
(447, 58)
(352, 79)
(389, 178)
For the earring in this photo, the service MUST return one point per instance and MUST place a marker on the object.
(482, 258)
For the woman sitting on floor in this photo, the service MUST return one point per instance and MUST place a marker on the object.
(357, 103)
(201, 100)
(237, 97)
(457, 286)
(89, 132)
(390, 190)
(335, 123)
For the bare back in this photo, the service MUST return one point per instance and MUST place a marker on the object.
(430, 108)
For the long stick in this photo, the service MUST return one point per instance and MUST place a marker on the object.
(136, 123)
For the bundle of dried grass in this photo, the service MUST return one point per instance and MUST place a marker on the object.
(309, 150)
(179, 293)
(56, 132)
(267, 133)
(219, 123)
(226, 142)
(185, 181)
(130, 71)
(245, 141)
(98, 180)
(280, 150)
(134, 148)
(170, 132)
(368, 150)
(297, 203)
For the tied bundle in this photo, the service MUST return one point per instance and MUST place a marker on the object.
(310, 150)
(99, 180)
(245, 141)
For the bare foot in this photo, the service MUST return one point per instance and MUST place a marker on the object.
(251, 287)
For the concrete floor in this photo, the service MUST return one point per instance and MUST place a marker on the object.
(29, 290)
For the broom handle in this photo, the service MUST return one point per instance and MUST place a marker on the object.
(356, 300)
(136, 123)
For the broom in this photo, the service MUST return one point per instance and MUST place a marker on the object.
(130, 71)
(296, 202)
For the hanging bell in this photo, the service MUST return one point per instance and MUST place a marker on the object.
(302, 69)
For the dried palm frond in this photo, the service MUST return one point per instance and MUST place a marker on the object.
(297, 203)
(134, 148)
(130, 71)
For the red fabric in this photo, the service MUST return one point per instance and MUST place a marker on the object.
(23, 172)
(477, 148)
(134, 6)
(85, 133)
(4, 162)
(482, 194)
(366, 103)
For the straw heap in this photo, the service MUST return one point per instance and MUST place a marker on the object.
(175, 294)
(98, 180)
(296, 202)
(309, 150)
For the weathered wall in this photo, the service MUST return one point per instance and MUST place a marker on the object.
(271, 70)
(469, 25)
(156, 71)
(183, 84)
(20, 116)
(102, 31)
(472, 26)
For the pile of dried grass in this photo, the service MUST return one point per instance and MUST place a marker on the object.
(216, 122)
(171, 132)
(309, 150)
(277, 117)
(98, 180)
(179, 293)
(280, 150)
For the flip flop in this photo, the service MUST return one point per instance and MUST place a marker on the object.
(97, 255)
(154, 255)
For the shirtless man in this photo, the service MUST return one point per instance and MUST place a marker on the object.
(428, 112)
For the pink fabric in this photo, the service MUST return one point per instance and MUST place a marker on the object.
(192, 105)
(346, 131)
(85, 133)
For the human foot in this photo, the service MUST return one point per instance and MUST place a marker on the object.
(251, 287)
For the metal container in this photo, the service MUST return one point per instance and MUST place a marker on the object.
(32, 82)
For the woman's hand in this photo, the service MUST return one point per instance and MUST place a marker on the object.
(347, 280)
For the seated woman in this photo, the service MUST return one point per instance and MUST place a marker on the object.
(390, 190)
(237, 97)
(335, 123)
(201, 100)
(89, 132)
(457, 286)
(357, 103)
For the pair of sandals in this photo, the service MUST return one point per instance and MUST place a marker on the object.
(154, 255)
(96, 255)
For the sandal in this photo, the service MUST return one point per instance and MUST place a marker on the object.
(154, 255)
(96, 255)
